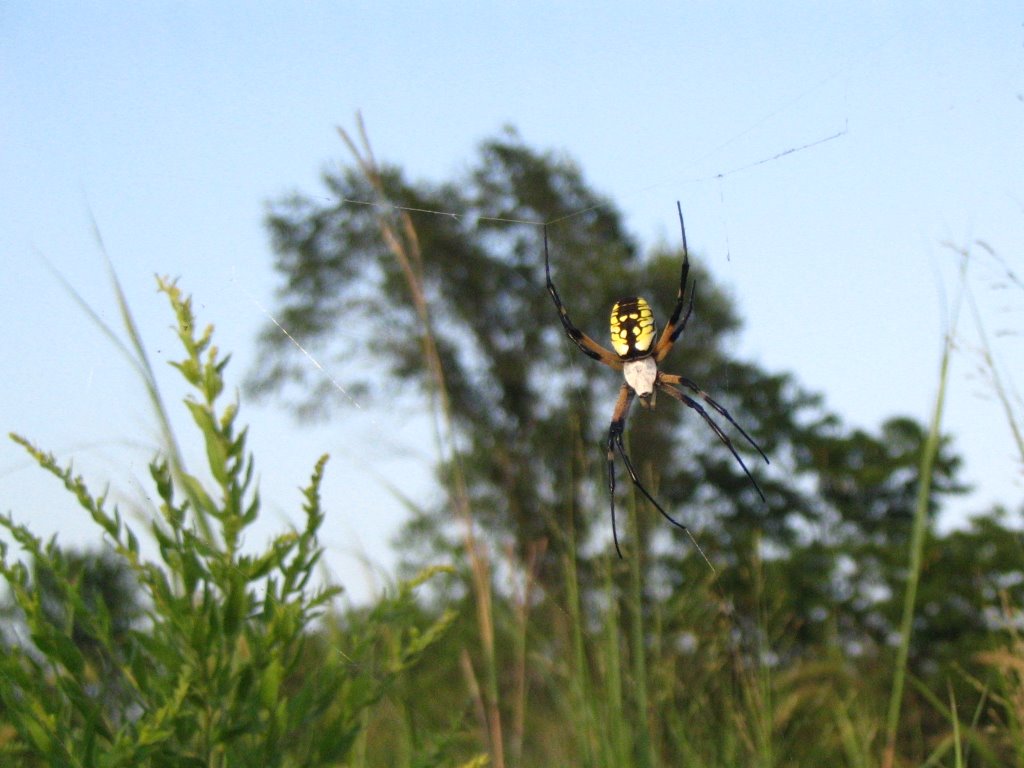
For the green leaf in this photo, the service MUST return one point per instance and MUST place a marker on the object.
(270, 684)
(61, 649)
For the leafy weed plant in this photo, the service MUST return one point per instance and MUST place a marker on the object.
(231, 662)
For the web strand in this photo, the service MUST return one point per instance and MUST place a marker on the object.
(459, 216)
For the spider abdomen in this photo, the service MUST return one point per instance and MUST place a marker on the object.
(632, 327)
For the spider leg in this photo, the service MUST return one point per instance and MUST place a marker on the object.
(615, 431)
(671, 378)
(588, 346)
(618, 424)
(674, 327)
(689, 401)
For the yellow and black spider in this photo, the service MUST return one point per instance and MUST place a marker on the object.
(633, 333)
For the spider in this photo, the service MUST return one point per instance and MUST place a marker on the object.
(637, 354)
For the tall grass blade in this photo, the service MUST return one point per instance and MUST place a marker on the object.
(929, 453)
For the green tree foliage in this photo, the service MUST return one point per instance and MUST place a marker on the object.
(529, 412)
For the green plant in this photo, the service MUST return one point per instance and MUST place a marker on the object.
(234, 660)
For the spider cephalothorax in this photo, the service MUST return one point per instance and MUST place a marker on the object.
(637, 354)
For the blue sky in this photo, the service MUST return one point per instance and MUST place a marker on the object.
(174, 123)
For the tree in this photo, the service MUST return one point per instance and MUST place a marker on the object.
(524, 400)
(530, 414)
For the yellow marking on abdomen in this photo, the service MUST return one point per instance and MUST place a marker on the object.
(632, 326)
